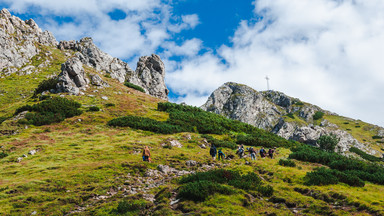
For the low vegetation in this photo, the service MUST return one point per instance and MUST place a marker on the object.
(49, 111)
(133, 86)
(364, 155)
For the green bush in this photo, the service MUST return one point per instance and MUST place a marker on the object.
(148, 124)
(328, 142)
(50, 111)
(126, 206)
(93, 109)
(201, 190)
(288, 163)
(365, 171)
(131, 85)
(109, 105)
(248, 181)
(318, 115)
(46, 85)
(265, 139)
(377, 137)
(321, 176)
(220, 143)
(3, 155)
(365, 155)
(3, 119)
(324, 176)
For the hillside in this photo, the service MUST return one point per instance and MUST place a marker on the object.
(73, 128)
(293, 119)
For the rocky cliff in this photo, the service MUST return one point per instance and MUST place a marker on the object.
(21, 41)
(276, 112)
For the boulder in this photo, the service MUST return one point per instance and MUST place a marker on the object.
(72, 77)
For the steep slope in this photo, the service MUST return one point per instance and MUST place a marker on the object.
(291, 118)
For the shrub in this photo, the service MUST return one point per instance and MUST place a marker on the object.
(3, 155)
(126, 206)
(377, 137)
(323, 176)
(133, 86)
(248, 181)
(318, 115)
(365, 155)
(46, 85)
(93, 109)
(220, 143)
(109, 105)
(365, 171)
(328, 142)
(145, 124)
(200, 190)
(288, 163)
(50, 111)
(3, 119)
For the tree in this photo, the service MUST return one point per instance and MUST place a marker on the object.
(328, 142)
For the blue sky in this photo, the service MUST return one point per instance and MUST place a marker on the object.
(325, 52)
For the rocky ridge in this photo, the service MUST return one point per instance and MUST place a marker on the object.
(267, 109)
(21, 41)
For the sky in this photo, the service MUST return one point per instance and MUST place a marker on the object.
(325, 52)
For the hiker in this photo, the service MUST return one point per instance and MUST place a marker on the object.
(270, 152)
(213, 152)
(240, 151)
(253, 153)
(262, 152)
(146, 154)
(221, 155)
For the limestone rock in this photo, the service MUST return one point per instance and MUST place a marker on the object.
(97, 81)
(191, 163)
(18, 41)
(172, 142)
(150, 74)
(243, 103)
(72, 77)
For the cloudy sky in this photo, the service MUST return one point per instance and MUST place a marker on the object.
(325, 52)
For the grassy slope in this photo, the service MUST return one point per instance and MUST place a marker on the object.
(80, 159)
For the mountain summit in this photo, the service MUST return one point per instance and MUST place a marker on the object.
(290, 118)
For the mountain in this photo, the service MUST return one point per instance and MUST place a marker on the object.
(74, 122)
(292, 118)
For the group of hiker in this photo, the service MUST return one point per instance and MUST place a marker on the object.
(241, 152)
(221, 156)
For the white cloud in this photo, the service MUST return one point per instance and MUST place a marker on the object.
(325, 52)
(147, 25)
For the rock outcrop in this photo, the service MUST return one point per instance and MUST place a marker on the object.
(269, 109)
(149, 74)
(72, 78)
(19, 42)
(243, 103)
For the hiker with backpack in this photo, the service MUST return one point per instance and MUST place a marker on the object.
(252, 151)
(270, 152)
(262, 152)
(221, 154)
(146, 154)
(240, 151)
(213, 152)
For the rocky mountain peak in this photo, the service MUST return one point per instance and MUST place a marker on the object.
(19, 42)
(269, 110)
